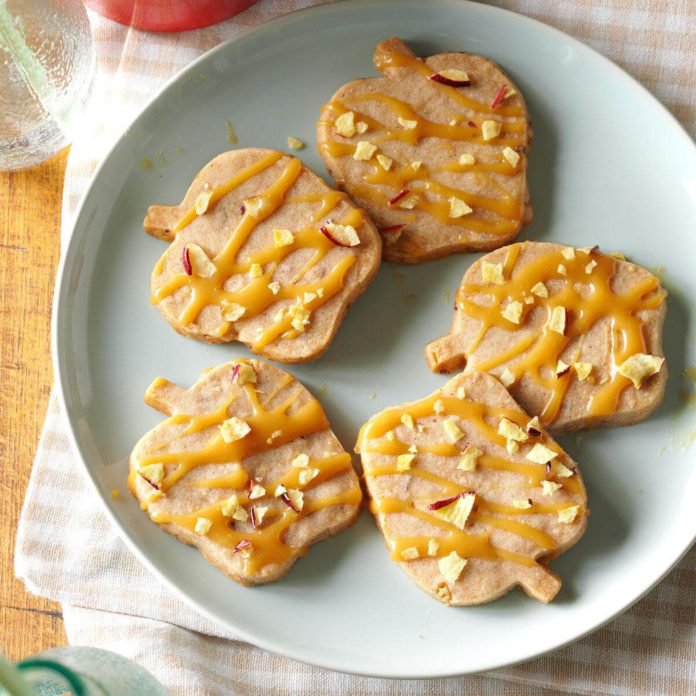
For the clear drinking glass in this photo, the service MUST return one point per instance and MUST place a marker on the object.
(46, 69)
(77, 671)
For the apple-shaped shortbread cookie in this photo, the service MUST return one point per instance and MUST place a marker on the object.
(575, 335)
(472, 496)
(262, 252)
(246, 468)
(435, 151)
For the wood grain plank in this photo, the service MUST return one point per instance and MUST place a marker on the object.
(29, 249)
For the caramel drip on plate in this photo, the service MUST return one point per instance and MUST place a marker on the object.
(373, 440)
(256, 297)
(270, 428)
(587, 297)
(500, 215)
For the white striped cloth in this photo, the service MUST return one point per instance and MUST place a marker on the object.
(71, 554)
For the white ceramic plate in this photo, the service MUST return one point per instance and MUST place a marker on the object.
(609, 166)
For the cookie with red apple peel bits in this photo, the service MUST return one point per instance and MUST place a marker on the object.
(246, 468)
(435, 151)
(472, 496)
(262, 252)
(575, 335)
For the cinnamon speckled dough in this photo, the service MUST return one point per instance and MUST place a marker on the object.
(425, 236)
(214, 230)
(481, 580)
(274, 386)
(594, 346)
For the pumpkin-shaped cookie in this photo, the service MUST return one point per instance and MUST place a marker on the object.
(471, 494)
(435, 151)
(262, 252)
(245, 468)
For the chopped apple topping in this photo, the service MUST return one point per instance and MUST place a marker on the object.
(243, 373)
(561, 367)
(438, 407)
(407, 420)
(282, 238)
(413, 449)
(152, 473)
(307, 475)
(550, 487)
(309, 297)
(541, 454)
(300, 317)
(451, 567)
(407, 123)
(202, 201)
(507, 377)
(461, 393)
(467, 160)
(511, 431)
(231, 311)
(568, 253)
(433, 547)
(280, 490)
(458, 208)
(534, 426)
(410, 553)
(390, 435)
(364, 150)
(590, 266)
(257, 491)
(452, 430)
(301, 461)
(511, 446)
(253, 206)
(456, 512)
(409, 202)
(568, 515)
(492, 273)
(345, 124)
(229, 506)
(639, 367)
(404, 461)
(470, 458)
(240, 514)
(539, 289)
(274, 287)
(234, 429)
(343, 235)
(257, 515)
(295, 143)
(511, 156)
(522, 503)
(583, 370)
(255, 270)
(562, 269)
(416, 166)
(557, 321)
(361, 127)
(385, 162)
(491, 129)
(201, 265)
(297, 499)
(202, 526)
(561, 470)
(452, 78)
(513, 311)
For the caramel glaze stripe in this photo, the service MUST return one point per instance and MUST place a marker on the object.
(266, 540)
(536, 355)
(371, 440)
(256, 296)
(507, 210)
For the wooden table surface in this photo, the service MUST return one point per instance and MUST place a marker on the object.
(29, 248)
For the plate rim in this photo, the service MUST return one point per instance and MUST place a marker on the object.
(61, 362)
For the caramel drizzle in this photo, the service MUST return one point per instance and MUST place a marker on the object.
(493, 216)
(537, 355)
(256, 296)
(372, 440)
(270, 428)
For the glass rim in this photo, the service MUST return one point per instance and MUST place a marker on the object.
(73, 680)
